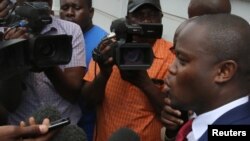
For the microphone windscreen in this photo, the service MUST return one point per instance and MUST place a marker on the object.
(70, 133)
(46, 112)
(124, 134)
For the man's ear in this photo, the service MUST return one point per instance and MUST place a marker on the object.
(91, 11)
(225, 71)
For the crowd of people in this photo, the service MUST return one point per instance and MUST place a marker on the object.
(203, 74)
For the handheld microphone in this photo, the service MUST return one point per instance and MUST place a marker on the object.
(70, 133)
(124, 134)
(66, 133)
(46, 112)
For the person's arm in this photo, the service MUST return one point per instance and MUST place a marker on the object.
(93, 92)
(68, 83)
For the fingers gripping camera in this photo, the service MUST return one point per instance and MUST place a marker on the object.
(101, 56)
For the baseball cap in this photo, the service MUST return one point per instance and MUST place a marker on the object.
(134, 4)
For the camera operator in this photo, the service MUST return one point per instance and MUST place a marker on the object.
(129, 98)
(57, 86)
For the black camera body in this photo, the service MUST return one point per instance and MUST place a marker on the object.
(34, 15)
(127, 53)
(38, 53)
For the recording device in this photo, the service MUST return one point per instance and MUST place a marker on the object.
(34, 15)
(56, 121)
(37, 54)
(59, 123)
(124, 134)
(46, 112)
(129, 54)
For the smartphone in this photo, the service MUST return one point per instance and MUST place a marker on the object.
(59, 123)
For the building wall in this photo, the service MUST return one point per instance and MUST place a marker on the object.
(175, 12)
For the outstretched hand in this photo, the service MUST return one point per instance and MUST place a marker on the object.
(31, 132)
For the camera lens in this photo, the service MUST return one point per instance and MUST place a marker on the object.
(133, 56)
(48, 50)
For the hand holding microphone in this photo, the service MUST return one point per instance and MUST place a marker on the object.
(66, 132)
(31, 131)
(17, 133)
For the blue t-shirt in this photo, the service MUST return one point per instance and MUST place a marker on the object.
(92, 38)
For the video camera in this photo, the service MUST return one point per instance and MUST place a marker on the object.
(40, 52)
(37, 53)
(34, 15)
(127, 53)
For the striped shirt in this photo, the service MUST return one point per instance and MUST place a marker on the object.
(125, 105)
(39, 90)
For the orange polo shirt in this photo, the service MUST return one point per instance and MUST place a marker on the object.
(127, 106)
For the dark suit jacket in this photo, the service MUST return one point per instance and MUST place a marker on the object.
(237, 116)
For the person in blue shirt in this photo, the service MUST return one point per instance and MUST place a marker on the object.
(81, 12)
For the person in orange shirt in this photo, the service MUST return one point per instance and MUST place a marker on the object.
(126, 98)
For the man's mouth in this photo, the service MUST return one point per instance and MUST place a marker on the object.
(70, 19)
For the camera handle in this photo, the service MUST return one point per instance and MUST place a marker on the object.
(97, 56)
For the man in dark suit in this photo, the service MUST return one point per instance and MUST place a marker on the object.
(211, 73)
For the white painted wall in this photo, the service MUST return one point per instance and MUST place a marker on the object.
(175, 12)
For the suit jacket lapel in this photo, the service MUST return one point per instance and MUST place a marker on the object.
(231, 117)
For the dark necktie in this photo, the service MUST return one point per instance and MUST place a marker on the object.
(184, 130)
